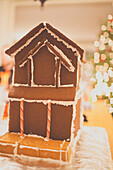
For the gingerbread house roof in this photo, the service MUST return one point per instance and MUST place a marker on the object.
(22, 44)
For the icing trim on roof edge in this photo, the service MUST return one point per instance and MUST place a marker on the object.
(27, 38)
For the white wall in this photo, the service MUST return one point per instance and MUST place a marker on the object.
(79, 20)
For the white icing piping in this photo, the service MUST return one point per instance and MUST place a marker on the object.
(55, 75)
(28, 147)
(51, 150)
(56, 58)
(59, 82)
(35, 85)
(15, 149)
(66, 155)
(8, 115)
(65, 103)
(67, 151)
(44, 23)
(63, 56)
(78, 70)
(60, 40)
(69, 85)
(37, 50)
(75, 140)
(32, 70)
(81, 111)
(21, 65)
(73, 124)
(8, 144)
(34, 135)
(61, 145)
(28, 42)
(50, 160)
(17, 85)
(52, 34)
(13, 72)
(77, 97)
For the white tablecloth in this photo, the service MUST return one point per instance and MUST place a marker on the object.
(92, 153)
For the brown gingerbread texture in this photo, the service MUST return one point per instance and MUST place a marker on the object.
(47, 69)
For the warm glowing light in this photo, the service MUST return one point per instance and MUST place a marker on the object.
(106, 34)
(104, 70)
(107, 93)
(93, 94)
(110, 72)
(102, 47)
(110, 109)
(94, 99)
(106, 65)
(111, 55)
(111, 100)
(103, 28)
(99, 75)
(96, 44)
(93, 79)
(96, 55)
(112, 48)
(111, 87)
(103, 56)
(110, 17)
(96, 60)
(111, 61)
(97, 68)
(102, 38)
(110, 42)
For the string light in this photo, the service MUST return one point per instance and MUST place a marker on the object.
(103, 28)
(96, 44)
(110, 17)
(103, 60)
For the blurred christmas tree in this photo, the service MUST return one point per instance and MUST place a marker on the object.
(103, 64)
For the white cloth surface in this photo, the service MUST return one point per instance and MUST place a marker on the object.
(92, 153)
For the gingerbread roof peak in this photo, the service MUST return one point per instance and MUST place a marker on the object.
(25, 41)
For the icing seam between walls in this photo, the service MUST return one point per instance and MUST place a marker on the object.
(65, 103)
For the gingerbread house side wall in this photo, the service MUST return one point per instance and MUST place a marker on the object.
(77, 106)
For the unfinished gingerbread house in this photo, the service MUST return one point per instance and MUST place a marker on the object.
(46, 84)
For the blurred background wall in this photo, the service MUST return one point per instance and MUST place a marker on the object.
(80, 20)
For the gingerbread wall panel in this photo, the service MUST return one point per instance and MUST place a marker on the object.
(21, 74)
(35, 118)
(14, 116)
(61, 119)
(44, 67)
(67, 77)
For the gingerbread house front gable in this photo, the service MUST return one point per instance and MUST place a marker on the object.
(62, 54)
(44, 64)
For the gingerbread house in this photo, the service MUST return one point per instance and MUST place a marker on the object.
(46, 83)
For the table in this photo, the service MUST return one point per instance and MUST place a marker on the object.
(92, 152)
